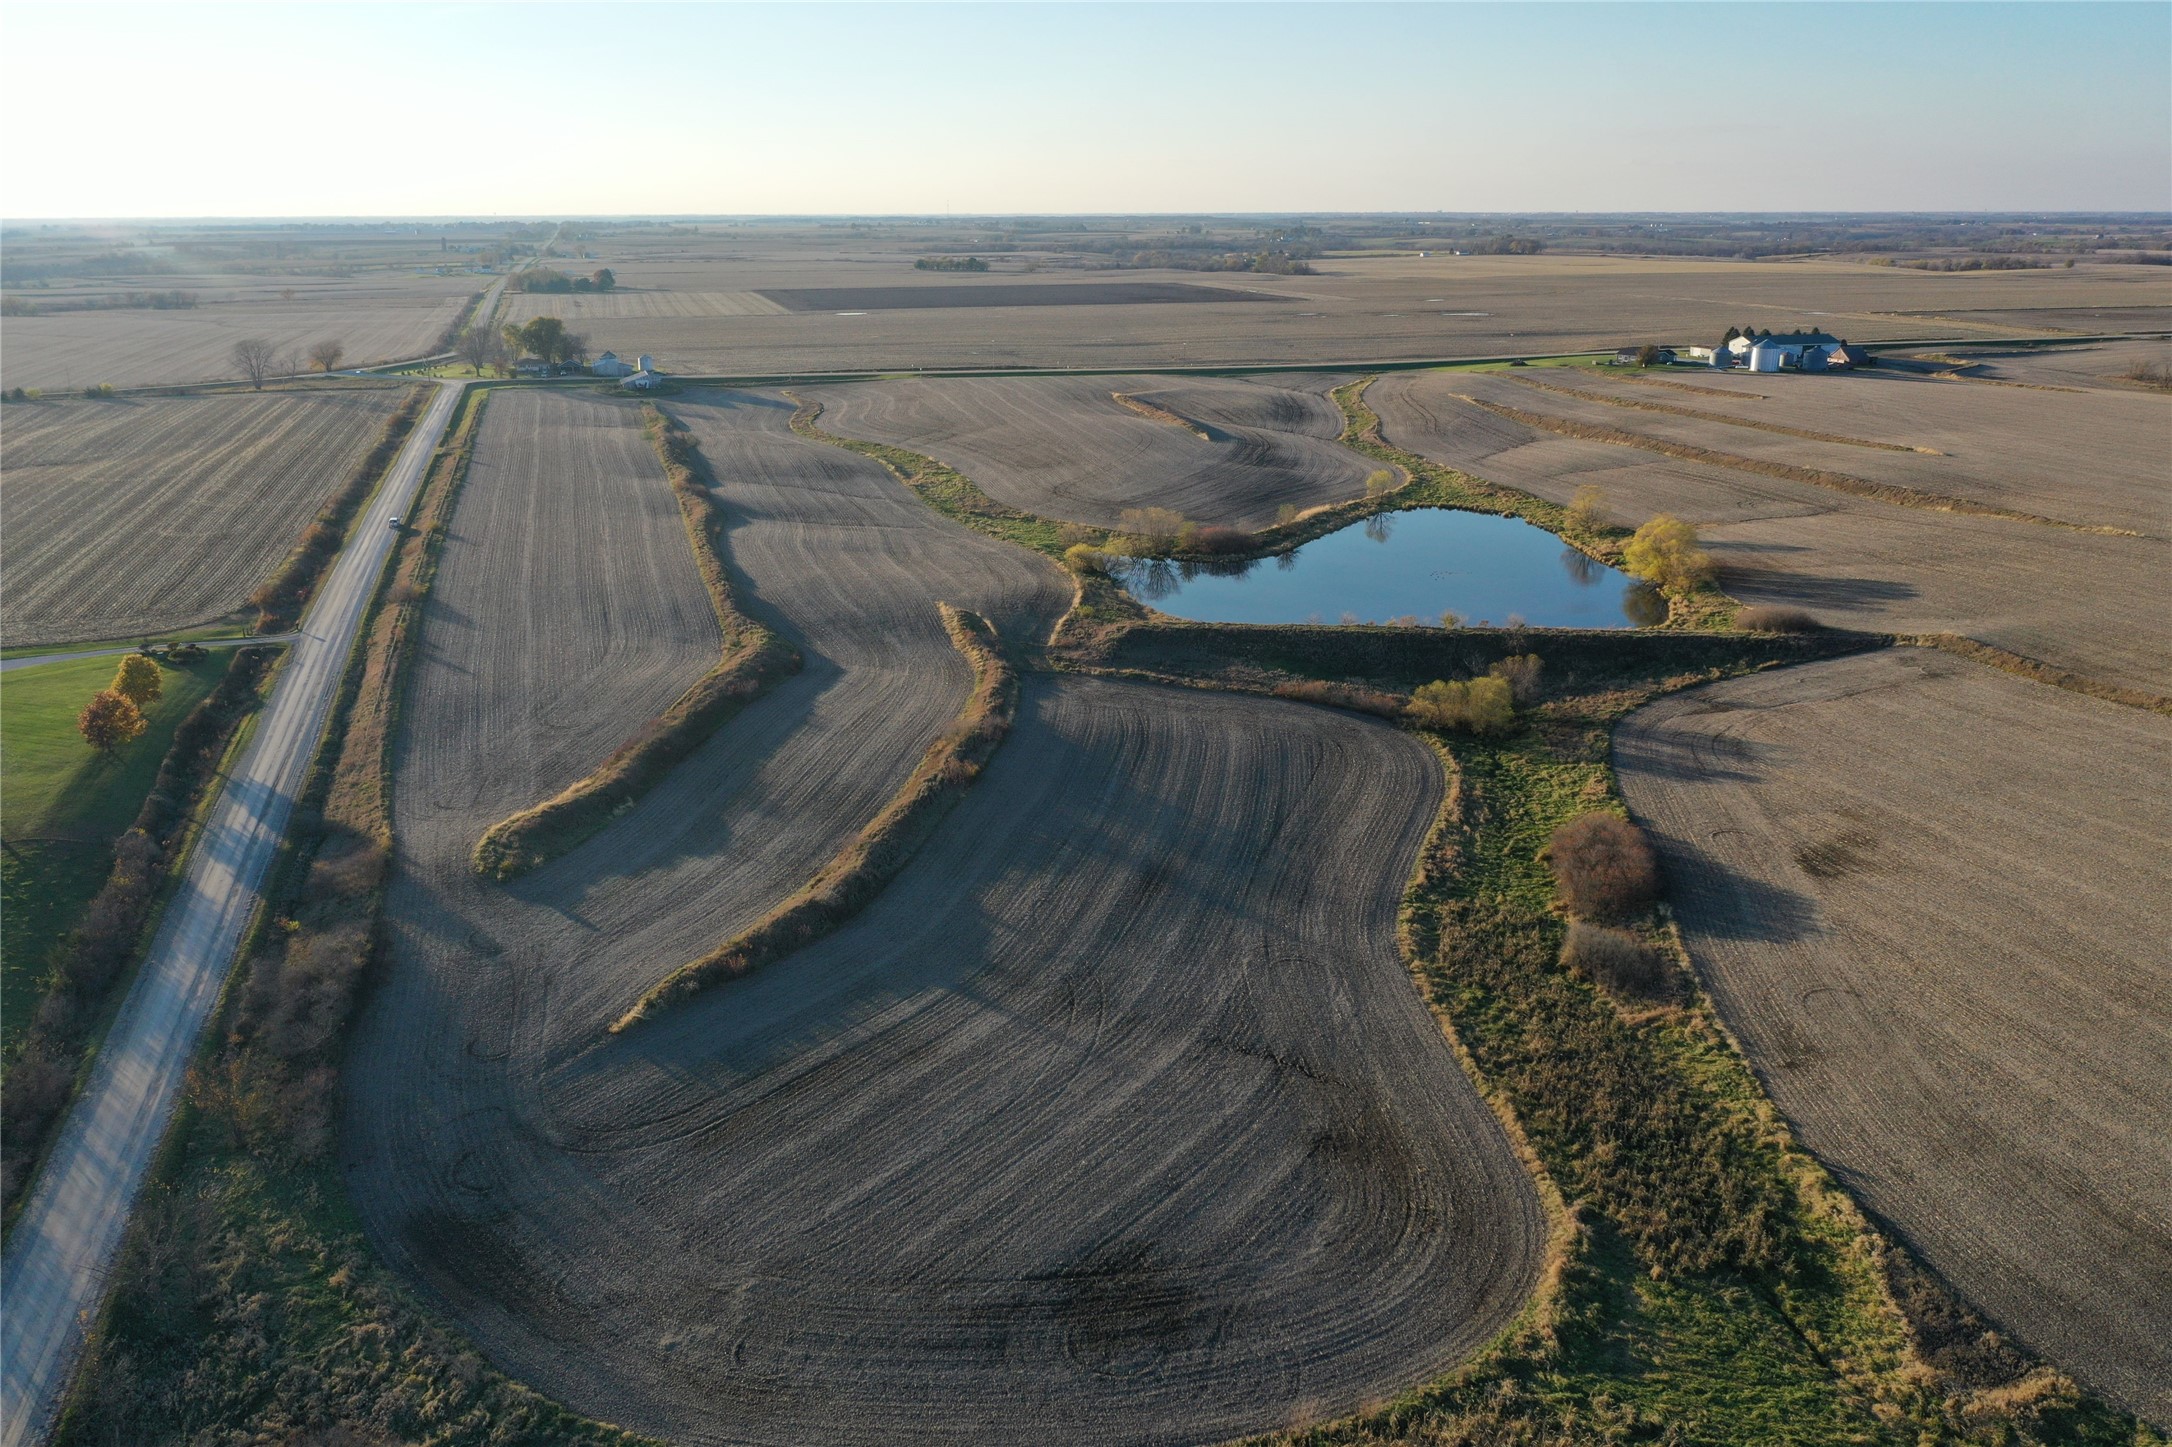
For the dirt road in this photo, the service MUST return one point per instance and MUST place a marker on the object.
(70, 1229)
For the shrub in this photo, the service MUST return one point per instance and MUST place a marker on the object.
(1520, 671)
(1481, 706)
(1151, 529)
(1380, 483)
(1071, 534)
(2150, 374)
(1767, 619)
(1614, 960)
(1286, 514)
(1664, 553)
(1342, 695)
(1218, 540)
(1603, 866)
(1085, 558)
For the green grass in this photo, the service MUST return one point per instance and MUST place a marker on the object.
(62, 805)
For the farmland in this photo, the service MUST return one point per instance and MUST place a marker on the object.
(165, 305)
(137, 516)
(697, 302)
(68, 350)
(689, 1230)
(1937, 959)
(1850, 559)
(1067, 448)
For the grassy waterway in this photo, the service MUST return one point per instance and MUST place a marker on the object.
(1417, 564)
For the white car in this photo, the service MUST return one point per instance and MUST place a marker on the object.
(392, 520)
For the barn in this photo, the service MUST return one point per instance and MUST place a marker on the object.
(608, 365)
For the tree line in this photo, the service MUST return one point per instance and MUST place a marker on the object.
(545, 279)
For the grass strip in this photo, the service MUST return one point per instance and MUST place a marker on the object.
(1814, 476)
(247, 1304)
(2022, 666)
(754, 659)
(1720, 417)
(280, 599)
(942, 487)
(852, 880)
(93, 964)
(1153, 412)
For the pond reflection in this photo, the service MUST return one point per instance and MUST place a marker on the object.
(1420, 564)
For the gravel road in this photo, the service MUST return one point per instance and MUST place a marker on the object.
(70, 1228)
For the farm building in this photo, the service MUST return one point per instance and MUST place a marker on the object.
(1633, 356)
(644, 380)
(1788, 351)
(608, 365)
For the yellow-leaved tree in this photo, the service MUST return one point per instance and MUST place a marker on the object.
(138, 679)
(1665, 554)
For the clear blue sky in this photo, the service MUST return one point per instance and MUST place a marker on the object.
(321, 110)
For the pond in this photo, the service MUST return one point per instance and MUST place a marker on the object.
(1406, 567)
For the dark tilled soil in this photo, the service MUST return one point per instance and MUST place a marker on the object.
(944, 295)
(1116, 1118)
(1932, 901)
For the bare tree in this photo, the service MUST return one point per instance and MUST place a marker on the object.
(325, 355)
(476, 347)
(256, 359)
(574, 349)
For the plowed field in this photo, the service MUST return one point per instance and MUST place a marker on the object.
(385, 322)
(1063, 447)
(1116, 1118)
(2095, 458)
(132, 517)
(1932, 900)
(2086, 602)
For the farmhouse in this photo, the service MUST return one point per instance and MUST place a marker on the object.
(608, 365)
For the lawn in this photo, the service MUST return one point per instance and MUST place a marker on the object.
(62, 806)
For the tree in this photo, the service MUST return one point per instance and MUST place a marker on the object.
(325, 355)
(574, 349)
(110, 720)
(603, 278)
(138, 679)
(1665, 554)
(254, 358)
(1648, 355)
(544, 339)
(1587, 510)
(477, 345)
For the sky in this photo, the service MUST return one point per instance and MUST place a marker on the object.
(824, 109)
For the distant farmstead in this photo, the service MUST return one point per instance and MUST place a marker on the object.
(1788, 352)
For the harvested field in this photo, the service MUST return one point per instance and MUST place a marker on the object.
(2092, 366)
(385, 320)
(686, 303)
(985, 294)
(1115, 1117)
(2085, 321)
(1064, 447)
(1851, 561)
(122, 518)
(1938, 958)
(2094, 458)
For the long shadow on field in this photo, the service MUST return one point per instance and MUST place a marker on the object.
(1730, 905)
(1808, 590)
